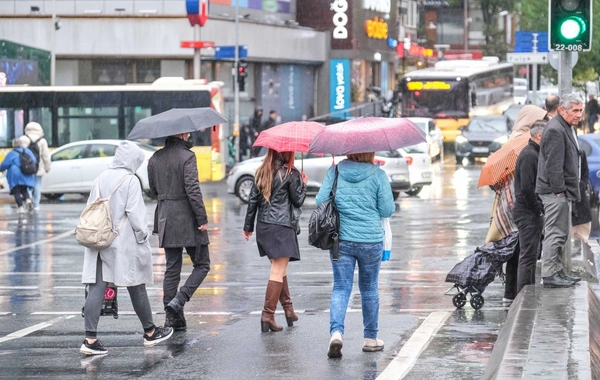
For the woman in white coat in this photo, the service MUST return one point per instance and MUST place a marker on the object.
(128, 261)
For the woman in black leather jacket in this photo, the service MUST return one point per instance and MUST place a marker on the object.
(278, 190)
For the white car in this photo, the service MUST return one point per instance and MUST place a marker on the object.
(241, 177)
(419, 168)
(76, 165)
(435, 141)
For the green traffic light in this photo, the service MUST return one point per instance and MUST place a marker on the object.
(572, 28)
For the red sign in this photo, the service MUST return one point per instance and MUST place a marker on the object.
(414, 50)
(452, 55)
(197, 11)
(197, 44)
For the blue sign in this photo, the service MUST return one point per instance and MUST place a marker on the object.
(524, 42)
(228, 52)
(339, 84)
(192, 7)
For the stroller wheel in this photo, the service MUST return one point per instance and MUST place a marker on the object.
(477, 301)
(459, 300)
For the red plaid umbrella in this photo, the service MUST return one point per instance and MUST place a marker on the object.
(294, 136)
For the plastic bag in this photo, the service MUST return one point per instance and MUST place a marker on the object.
(387, 239)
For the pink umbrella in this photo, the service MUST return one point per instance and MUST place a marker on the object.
(369, 134)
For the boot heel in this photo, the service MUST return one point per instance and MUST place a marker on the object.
(264, 326)
(290, 321)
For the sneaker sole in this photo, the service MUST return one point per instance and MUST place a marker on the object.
(335, 349)
(372, 349)
(88, 351)
(157, 341)
(558, 286)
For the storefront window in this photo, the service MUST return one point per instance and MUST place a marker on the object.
(87, 123)
(147, 70)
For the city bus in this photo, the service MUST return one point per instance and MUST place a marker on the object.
(75, 113)
(452, 92)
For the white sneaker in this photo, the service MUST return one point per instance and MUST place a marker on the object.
(372, 345)
(21, 210)
(36, 209)
(335, 346)
(29, 205)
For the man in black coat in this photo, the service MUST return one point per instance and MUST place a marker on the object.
(255, 125)
(558, 187)
(528, 210)
(180, 221)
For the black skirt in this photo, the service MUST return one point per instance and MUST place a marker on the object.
(275, 241)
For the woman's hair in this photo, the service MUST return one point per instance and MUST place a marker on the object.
(362, 157)
(266, 171)
(17, 143)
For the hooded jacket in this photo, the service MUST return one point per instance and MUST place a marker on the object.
(35, 133)
(526, 118)
(128, 261)
(363, 197)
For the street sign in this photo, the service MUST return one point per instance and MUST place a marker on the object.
(228, 52)
(197, 11)
(527, 58)
(197, 44)
(554, 57)
(524, 42)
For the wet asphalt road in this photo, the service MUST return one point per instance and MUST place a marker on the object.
(41, 298)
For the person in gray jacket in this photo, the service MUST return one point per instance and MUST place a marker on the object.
(557, 184)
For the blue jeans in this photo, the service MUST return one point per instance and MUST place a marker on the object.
(368, 256)
(36, 192)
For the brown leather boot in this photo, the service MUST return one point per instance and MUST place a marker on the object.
(286, 303)
(267, 320)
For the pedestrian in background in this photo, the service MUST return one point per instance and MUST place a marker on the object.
(552, 102)
(528, 210)
(180, 220)
(255, 126)
(35, 141)
(246, 141)
(363, 197)
(128, 260)
(558, 186)
(279, 188)
(271, 121)
(592, 109)
(18, 182)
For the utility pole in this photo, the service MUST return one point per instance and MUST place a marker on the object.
(236, 84)
(534, 80)
(197, 57)
(53, 52)
(565, 72)
(466, 25)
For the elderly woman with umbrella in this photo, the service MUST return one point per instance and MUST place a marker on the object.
(363, 197)
(278, 193)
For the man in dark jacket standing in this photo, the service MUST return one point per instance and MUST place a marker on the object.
(528, 211)
(592, 109)
(271, 121)
(558, 187)
(180, 221)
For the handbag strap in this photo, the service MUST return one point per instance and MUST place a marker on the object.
(334, 186)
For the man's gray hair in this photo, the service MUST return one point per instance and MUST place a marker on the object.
(537, 127)
(17, 143)
(567, 100)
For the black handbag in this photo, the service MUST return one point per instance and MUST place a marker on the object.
(324, 224)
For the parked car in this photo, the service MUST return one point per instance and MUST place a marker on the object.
(513, 111)
(590, 145)
(435, 141)
(241, 177)
(482, 136)
(419, 168)
(76, 165)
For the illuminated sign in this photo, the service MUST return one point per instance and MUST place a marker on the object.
(376, 28)
(383, 6)
(420, 86)
(415, 50)
(340, 19)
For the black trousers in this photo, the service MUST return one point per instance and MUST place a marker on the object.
(21, 194)
(512, 268)
(201, 261)
(530, 235)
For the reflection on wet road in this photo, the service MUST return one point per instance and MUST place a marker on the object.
(41, 298)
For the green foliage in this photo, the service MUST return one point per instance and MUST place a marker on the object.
(494, 37)
(583, 76)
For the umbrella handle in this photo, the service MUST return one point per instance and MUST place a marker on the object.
(302, 167)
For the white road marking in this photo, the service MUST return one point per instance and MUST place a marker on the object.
(45, 241)
(418, 342)
(382, 271)
(19, 287)
(31, 329)
(5, 313)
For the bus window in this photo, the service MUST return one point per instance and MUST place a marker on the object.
(87, 123)
(135, 114)
(11, 125)
(43, 116)
(437, 99)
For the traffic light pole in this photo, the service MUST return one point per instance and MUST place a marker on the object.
(236, 85)
(197, 57)
(565, 73)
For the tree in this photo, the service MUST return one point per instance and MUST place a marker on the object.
(494, 36)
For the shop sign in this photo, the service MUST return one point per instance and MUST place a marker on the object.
(435, 85)
(414, 50)
(339, 84)
(376, 28)
(383, 6)
(340, 19)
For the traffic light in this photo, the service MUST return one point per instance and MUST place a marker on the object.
(242, 75)
(570, 25)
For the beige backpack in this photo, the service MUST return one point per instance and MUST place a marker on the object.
(95, 229)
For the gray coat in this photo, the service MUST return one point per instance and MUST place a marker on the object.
(128, 261)
(173, 177)
(558, 165)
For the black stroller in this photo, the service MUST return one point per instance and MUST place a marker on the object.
(472, 275)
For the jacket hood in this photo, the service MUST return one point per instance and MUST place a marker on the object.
(526, 118)
(354, 172)
(34, 130)
(128, 156)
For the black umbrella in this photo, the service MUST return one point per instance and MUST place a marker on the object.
(175, 122)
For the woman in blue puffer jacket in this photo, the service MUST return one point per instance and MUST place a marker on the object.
(18, 182)
(363, 197)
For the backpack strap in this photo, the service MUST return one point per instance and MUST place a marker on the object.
(119, 185)
(124, 218)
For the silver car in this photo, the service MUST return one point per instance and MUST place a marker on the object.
(241, 177)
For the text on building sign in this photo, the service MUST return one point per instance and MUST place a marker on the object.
(340, 19)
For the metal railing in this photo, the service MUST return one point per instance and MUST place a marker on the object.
(362, 110)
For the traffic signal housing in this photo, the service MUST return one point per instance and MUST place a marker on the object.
(242, 74)
(570, 25)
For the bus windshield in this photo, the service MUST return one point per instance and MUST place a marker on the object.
(437, 99)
